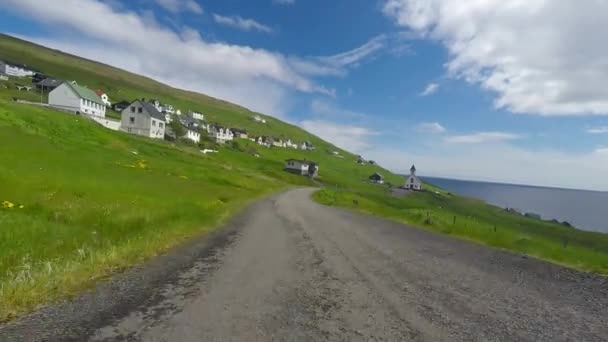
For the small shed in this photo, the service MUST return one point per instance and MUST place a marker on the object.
(376, 178)
(302, 167)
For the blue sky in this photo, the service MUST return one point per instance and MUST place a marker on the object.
(509, 91)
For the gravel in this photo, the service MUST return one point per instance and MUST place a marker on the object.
(288, 269)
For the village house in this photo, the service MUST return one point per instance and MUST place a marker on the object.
(142, 118)
(220, 134)
(120, 106)
(307, 145)
(3, 76)
(197, 116)
(104, 97)
(302, 167)
(239, 133)
(376, 178)
(48, 84)
(157, 105)
(278, 143)
(16, 70)
(168, 109)
(193, 135)
(262, 141)
(72, 97)
(413, 182)
(258, 118)
(290, 144)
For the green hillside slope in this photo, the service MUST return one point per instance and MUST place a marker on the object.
(80, 201)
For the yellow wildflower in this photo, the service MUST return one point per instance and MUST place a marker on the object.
(7, 204)
(21, 206)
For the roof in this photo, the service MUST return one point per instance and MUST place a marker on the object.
(301, 161)
(49, 82)
(85, 93)
(151, 110)
(376, 175)
(413, 168)
(122, 103)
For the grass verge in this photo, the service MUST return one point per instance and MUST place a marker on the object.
(477, 221)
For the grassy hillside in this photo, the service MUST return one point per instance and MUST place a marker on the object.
(80, 201)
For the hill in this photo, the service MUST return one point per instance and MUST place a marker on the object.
(81, 202)
(96, 201)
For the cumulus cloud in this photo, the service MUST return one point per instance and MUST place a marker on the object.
(481, 137)
(598, 130)
(538, 56)
(430, 127)
(352, 138)
(256, 78)
(430, 89)
(241, 23)
(176, 6)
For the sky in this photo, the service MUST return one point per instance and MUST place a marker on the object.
(496, 90)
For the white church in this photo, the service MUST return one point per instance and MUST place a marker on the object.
(413, 182)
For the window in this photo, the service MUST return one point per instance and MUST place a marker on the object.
(153, 123)
(160, 124)
(139, 109)
(132, 120)
(412, 180)
(132, 109)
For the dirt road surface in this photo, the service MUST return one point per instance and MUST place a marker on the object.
(288, 269)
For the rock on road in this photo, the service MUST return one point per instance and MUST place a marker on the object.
(293, 270)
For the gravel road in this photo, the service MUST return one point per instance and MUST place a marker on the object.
(288, 269)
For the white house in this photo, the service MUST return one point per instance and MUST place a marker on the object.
(15, 70)
(302, 167)
(258, 118)
(220, 134)
(157, 105)
(78, 99)
(197, 116)
(142, 118)
(169, 109)
(104, 97)
(278, 143)
(193, 135)
(264, 141)
(413, 182)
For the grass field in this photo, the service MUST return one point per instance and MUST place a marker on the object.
(475, 220)
(79, 202)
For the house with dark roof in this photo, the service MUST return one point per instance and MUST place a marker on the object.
(302, 167)
(219, 133)
(120, 106)
(72, 97)
(48, 84)
(142, 118)
(376, 178)
(239, 133)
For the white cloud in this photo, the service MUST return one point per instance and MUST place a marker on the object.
(241, 23)
(430, 89)
(351, 138)
(321, 108)
(481, 137)
(284, 2)
(538, 56)
(357, 54)
(598, 130)
(176, 6)
(499, 162)
(256, 78)
(430, 127)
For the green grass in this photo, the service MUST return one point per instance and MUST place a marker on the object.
(96, 201)
(477, 221)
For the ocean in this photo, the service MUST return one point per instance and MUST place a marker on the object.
(587, 210)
